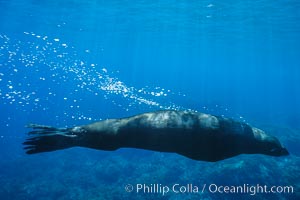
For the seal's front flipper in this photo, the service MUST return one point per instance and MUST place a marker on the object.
(48, 138)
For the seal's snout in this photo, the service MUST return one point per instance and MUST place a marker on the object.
(284, 152)
(279, 152)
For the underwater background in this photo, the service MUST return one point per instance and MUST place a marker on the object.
(72, 62)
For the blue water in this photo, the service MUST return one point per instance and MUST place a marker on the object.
(66, 63)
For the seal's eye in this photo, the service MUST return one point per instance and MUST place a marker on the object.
(274, 150)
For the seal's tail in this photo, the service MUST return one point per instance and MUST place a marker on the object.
(47, 138)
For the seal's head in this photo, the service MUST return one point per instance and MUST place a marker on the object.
(268, 144)
(273, 147)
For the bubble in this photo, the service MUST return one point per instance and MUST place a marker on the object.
(38, 60)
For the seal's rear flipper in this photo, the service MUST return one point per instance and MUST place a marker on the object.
(47, 138)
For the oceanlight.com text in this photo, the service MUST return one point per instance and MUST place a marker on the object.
(250, 189)
(156, 188)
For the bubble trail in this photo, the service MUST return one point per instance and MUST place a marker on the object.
(32, 69)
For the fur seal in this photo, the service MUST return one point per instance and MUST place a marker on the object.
(195, 135)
